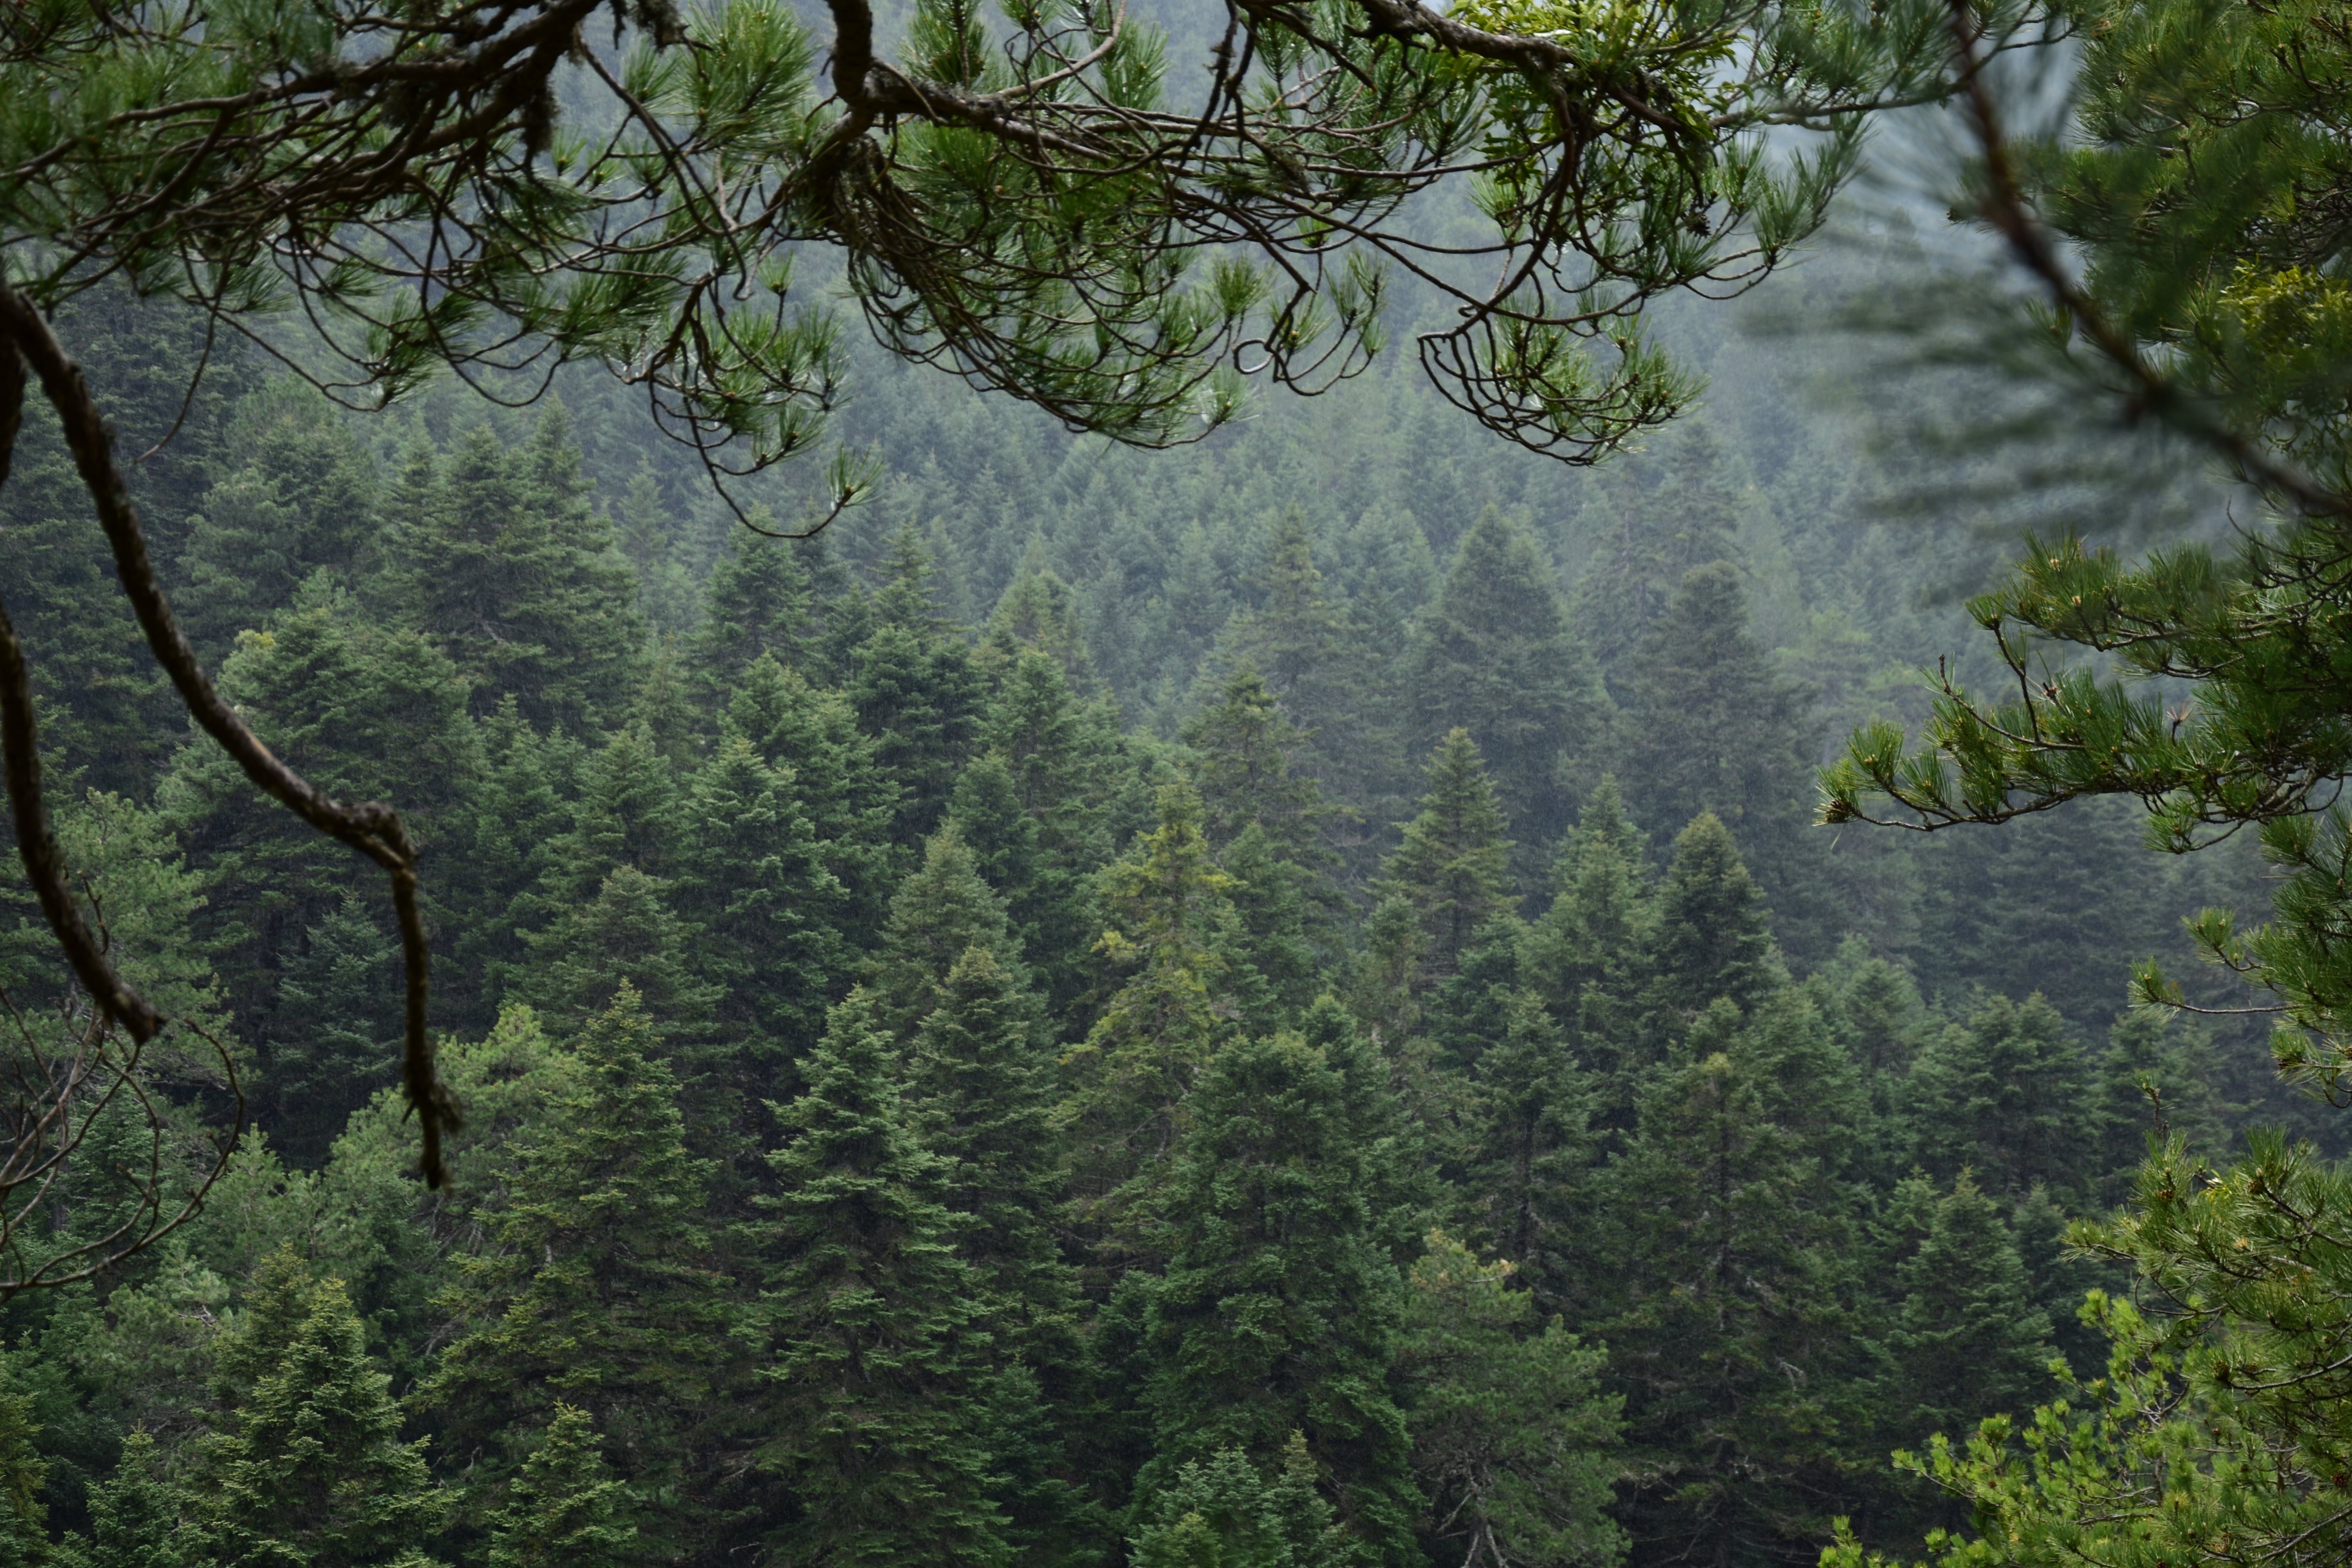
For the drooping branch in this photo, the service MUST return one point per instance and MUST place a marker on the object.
(372, 827)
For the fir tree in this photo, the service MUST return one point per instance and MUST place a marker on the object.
(1650, 540)
(873, 1393)
(134, 1517)
(596, 1288)
(628, 933)
(1279, 1306)
(1511, 1433)
(1174, 936)
(24, 1536)
(648, 538)
(2008, 1093)
(980, 1091)
(1039, 613)
(341, 1027)
(942, 910)
(1711, 728)
(916, 691)
(1225, 1511)
(1712, 939)
(507, 571)
(311, 1468)
(302, 500)
(566, 1509)
(1725, 1291)
(760, 603)
(850, 797)
(1454, 865)
(768, 909)
(1587, 955)
(1495, 656)
(1966, 1341)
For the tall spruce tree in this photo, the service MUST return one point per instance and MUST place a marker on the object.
(1511, 1432)
(940, 912)
(310, 1468)
(1588, 955)
(873, 1391)
(1280, 1305)
(1649, 539)
(1453, 868)
(760, 603)
(1711, 727)
(134, 1517)
(1494, 656)
(1713, 938)
(916, 690)
(1966, 1339)
(2010, 1093)
(1175, 938)
(566, 1509)
(597, 1286)
(507, 570)
(1728, 1296)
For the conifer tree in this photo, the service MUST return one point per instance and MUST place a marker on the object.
(850, 797)
(1713, 938)
(981, 1092)
(1511, 1433)
(1039, 613)
(873, 1391)
(760, 603)
(566, 1509)
(1587, 953)
(1494, 656)
(627, 933)
(1966, 1341)
(342, 998)
(134, 1517)
(1726, 1297)
(1227, 1511)
(648, 538)
(768, 910)
(1280, 1305)
(916, 691)
(303, 499)
(1268, 823)
(1326, 671)
(311, 1468)
(1651, 538)
(507, 833)
(2008, 1093)
(1710, 727)
(24, 1533)
(942, 910)
(1173, 935)
(510, 573)
(597, 1287)
(1453, 865)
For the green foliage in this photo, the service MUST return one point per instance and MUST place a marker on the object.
(565, 1510)
(1511, 1432)
(1225, 1512)
(310, 1467)
(1279, 1304)
(1495, 656)
(1451, 867)
(871, 1327)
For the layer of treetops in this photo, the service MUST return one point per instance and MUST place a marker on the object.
(1387, 1075)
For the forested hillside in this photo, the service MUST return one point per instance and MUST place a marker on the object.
(1278, 1003)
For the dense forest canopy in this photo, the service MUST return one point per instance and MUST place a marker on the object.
(1277, 1004)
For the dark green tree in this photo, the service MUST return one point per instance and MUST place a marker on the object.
(1713, 938)
(1453, 868)
(1511, 1432)
(760, 603)
(310, 1468)
(1711, 727)
(507, 570)
(1727, 1296)
(1966, 1341)
(873, 1391)
(134, 1517)
(942, 910)
(1588, 955)
(1494, 656)
(566, 1509)
(1280, 1305)
(1650, 538)
(916, 691)
(2010, 1093)
(596, 1286)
